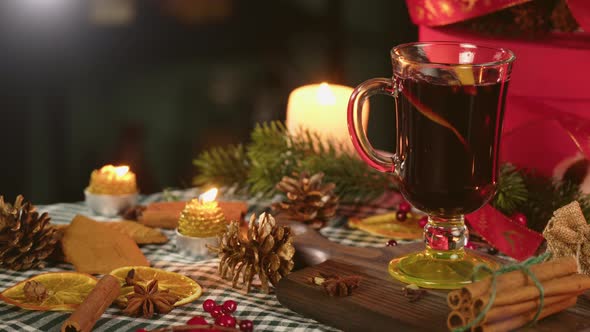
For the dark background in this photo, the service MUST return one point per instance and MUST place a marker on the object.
(152, 83)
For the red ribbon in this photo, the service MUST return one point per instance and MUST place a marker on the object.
(506, 235)
(436, 13)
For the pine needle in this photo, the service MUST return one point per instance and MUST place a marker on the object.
(226, 166)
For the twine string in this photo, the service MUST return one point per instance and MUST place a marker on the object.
(524, 267)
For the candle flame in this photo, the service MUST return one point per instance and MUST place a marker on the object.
(325, 95)
(208, 196)
(121, 170)
(118, 171)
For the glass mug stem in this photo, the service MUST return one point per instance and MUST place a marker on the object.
(445, 234)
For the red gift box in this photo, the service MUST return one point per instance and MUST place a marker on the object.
(547, 118)
(547, 115)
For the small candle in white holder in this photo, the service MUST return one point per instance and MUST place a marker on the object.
(322, 108)
(202, 217)
(111, 190)
(113, 180)
(201, 221)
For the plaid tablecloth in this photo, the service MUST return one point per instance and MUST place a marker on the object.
(263, 309)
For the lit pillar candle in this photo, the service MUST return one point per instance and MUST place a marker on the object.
(113, 180)
(321, 108)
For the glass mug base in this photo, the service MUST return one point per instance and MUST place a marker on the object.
(439, 269)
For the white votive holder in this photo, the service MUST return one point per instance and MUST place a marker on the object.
(109, 205)
(196, 246)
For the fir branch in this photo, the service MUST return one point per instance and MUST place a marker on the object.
(222, 167)
(354, 180)
(512, 191)
(547, 196)
(272, 156)
(275, 152)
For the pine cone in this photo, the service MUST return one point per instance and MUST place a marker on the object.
(308, 200)
(26, 238)
(265, 250)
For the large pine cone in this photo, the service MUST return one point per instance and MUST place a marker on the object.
(265, 250)
(308, 199)
(26, 238)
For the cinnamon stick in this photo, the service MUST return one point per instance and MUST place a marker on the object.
(459, 317)
(99, 299)
(559, 267)
(456, 319)
(498, 313)
(160, 219)
(571, 284)
(522, 319)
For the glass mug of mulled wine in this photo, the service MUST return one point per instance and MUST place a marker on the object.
(449, 102)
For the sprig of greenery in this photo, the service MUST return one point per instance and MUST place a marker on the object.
(536, 196)
(275, 152)
(222, 167)
(546, 196)
(512, 191)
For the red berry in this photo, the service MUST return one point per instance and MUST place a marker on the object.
(141, 330)
(519, 218)
(209, 305)
(391, 243)
(197, 320)
(216, 312)
(401, 216)
(246, 326)
(225, 321)
(404, 207)
(229, 306)
(423, 221)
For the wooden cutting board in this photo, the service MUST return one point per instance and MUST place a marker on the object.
(378, 304)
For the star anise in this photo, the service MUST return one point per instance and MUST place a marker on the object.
(336, 285)
(147, 301)
(35, 291)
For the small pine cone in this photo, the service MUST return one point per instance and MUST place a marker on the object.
(265, 250)
(26, 238)
(308, 199)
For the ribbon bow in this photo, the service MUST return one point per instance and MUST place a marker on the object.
(568, 234)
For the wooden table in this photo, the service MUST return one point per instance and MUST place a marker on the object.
(379, 305)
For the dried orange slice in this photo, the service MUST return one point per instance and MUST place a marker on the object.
(64, 291)
(182, 286)
(387, 225)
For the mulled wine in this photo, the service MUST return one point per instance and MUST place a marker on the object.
(448, 148)
(450, 104)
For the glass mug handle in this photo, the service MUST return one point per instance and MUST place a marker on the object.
(384, 86)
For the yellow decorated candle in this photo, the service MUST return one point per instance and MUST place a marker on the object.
(112, 180)
(202, 217)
